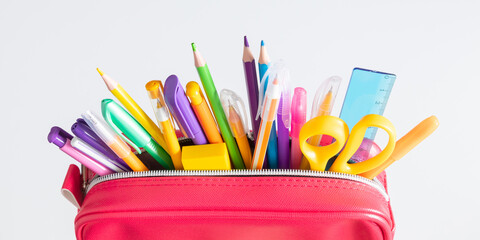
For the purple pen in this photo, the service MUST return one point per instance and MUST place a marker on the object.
(252, 85)
(84, 132)
(182, 111)
(283, 138)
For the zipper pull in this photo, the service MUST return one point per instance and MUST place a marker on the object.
(72, 186)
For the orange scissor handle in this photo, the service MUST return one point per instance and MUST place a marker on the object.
(318, 156)
(355, 140)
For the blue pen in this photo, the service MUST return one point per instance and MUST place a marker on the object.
(272, 153)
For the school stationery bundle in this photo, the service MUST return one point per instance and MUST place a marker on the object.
(224, 172)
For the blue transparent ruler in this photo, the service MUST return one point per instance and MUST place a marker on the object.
(367, 93)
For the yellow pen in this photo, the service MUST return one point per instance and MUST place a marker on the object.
(202, 111)
(238, 123)
(162, 114)
(133, 108)
(322, 106)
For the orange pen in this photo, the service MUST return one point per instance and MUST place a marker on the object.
(406, 143)
(202, 111)
(237, 123)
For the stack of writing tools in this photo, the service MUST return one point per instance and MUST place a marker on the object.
(215, 133)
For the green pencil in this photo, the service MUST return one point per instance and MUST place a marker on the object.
(217, 109)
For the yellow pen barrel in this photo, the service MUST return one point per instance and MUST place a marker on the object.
(240, 136)
(139, 114)
(172, 144)
(124, 152)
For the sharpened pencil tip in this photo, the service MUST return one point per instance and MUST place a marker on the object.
(245, 41)
(262, 43)
(100, 71)
(194, 47)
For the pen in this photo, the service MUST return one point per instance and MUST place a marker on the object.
(155, 93)
(202, 111)
(269, 109)
(181, 110)
(136, 136)
(84, 132)
(238, 123)
(322, 106)
(250, 71)
(213, 98)
(406, 144)
(283, 122)
(83, 147)
(299, 116)
(61, 138)
(132, 107)
(263, 65)
(113, 141)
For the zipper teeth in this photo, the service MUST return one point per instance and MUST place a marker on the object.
(241, 172)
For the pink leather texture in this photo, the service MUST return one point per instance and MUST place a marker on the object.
(234, 208)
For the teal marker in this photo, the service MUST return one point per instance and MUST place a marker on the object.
(367, 93)
(123, 123)
(272, 152)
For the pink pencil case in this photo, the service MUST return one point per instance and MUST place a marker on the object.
(237, 204)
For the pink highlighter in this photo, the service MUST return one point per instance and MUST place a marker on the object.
(61, 138)
(299, 116)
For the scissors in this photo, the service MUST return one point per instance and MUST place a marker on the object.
(318, 156)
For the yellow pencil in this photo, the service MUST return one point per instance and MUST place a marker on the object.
(133, 108)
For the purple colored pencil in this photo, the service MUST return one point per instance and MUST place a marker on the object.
(252, 85)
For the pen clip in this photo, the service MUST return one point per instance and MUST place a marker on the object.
(278, 71)
(108, 119)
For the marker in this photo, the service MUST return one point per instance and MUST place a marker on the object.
(86, 134)
(283, 122)
(113, 141)
(135, 135)
(213, 98)
(181, 110)
(155, 93)
(132, 107)
(299, 116)
(202, 111)
(62, 139)
(250, 71)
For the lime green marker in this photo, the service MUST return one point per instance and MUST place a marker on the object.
(123, 123)
(217, 108)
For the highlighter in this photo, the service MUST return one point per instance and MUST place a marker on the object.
(62, 139)
(113, 141)
(181, 110)
(136, 136)
(203, 113)
(299, 116)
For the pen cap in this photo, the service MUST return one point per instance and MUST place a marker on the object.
(58, 136)
(275, 77)
(155, 93)
(283, 111)
(231, 99)
(299, 105)
(325, 96)
(194, 93)
(123, 123)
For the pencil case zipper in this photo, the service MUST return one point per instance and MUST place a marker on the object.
(375, 183)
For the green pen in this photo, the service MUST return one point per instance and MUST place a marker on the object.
(123, 123)
(217, 108)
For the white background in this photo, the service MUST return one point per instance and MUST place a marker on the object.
(49, 51)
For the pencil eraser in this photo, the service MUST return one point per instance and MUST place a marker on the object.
(206, 157)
